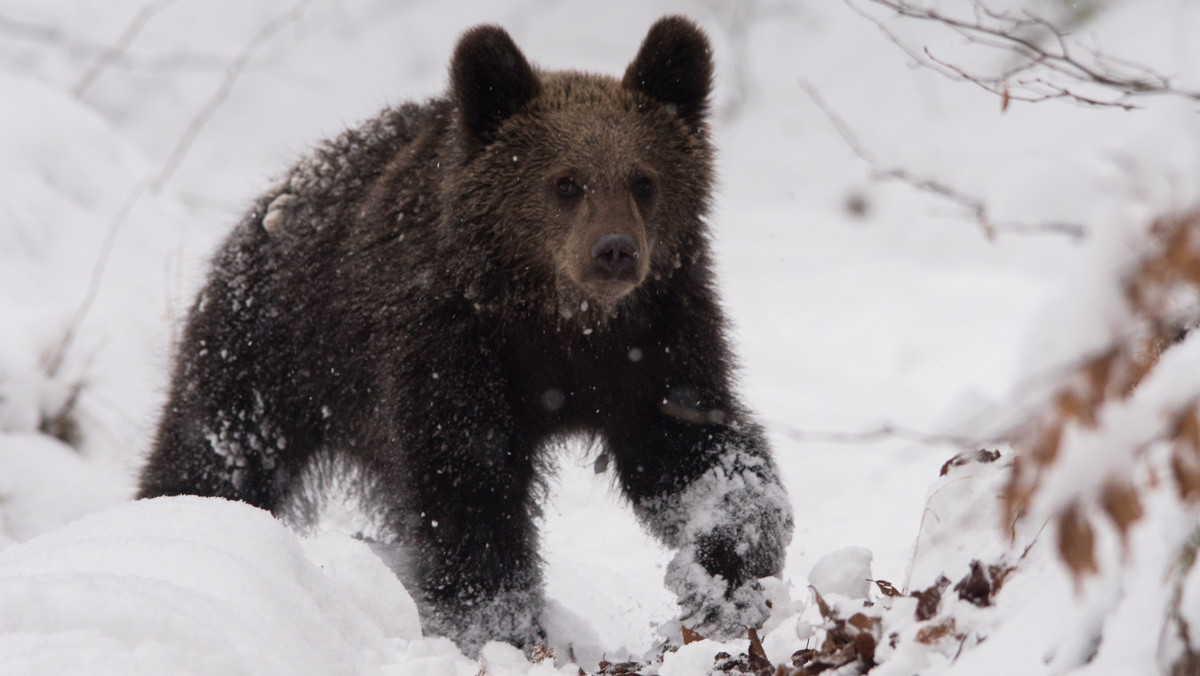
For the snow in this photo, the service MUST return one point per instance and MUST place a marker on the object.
(877, 325)
(846, 572)
(714, 508)
(189, 585)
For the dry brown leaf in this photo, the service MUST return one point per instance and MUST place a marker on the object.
(821, 605)
(1076, 542)
(928, 600)
(861, 622)
(1017, 493)
(1099, 372)
(1045, 446)
(999, 574)
(757, 656)
(1141, 364)
(1122, 504)
(864, 645)
(1071, 406)
(936, 632)
(1187, 429)
(968, 457)
(1185, 457)
(619, 669)
(976, 586)
(887, 588)
(1187, 475)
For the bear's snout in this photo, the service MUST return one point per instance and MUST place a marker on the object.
(616, 257)
(607, 252)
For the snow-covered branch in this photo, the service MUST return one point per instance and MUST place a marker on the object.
(1079, 457)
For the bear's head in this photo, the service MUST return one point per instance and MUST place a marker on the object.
(591, 183)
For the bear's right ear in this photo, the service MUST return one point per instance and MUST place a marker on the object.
(489, 80)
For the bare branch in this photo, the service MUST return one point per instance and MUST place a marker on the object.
(884, 432)
(52, 35)
(156, 180)
(113, 53)
(739, 18)
(232, 73)
(54, 360)
(1051, 63)
(975, 206)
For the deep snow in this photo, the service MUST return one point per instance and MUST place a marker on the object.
(874, 322)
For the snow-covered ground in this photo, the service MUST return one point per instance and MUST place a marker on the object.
(878, 326)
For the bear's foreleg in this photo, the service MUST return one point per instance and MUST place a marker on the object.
(711, 492)
(470, 504)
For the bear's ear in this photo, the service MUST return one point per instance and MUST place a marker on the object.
(490, 80)
(674, 66)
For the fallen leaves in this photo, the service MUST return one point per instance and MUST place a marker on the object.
(1122, 504)
(850, 641)
(933, 633)
(1076, 542)
(1185, 459)
(980, 585)
(930, 599)
(618, 668)
(849, 638)
(981, 456)
(887, 589)
(753, 661)
(756, 657)
(690, 636)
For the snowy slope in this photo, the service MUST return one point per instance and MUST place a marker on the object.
(877, 325)
(196, 586)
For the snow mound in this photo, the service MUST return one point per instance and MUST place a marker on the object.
(197, 586)
(27, 509)
(846, 572)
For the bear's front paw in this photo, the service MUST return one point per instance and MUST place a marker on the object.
(710, 605)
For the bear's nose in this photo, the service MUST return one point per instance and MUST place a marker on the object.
(615, 255)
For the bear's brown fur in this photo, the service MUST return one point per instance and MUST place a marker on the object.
(437, 297)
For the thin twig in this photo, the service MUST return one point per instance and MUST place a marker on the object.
(975, 206)
(232, 73)
(912, 562)
(884, 432)
(110, 55)
(156, 180)
(56, 357)
(28, 31)
(1033, 79)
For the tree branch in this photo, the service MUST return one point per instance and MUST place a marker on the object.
(884, 432)
(156, 180)
(28, 31)
(1054, 67)
(110, 55)
(974, 206)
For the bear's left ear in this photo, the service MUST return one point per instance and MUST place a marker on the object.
(674, 66)
(490, 80)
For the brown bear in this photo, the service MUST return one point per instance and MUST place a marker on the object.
(433, 301)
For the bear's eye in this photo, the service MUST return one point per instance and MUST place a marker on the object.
(643, 187)
(567, 187)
